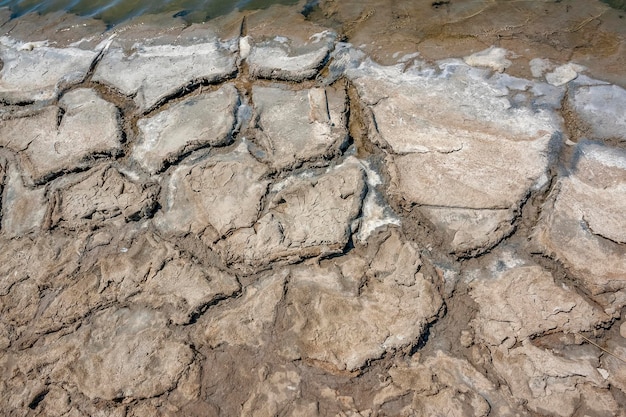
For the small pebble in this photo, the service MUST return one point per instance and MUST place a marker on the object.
(466, 339)
(603, 372)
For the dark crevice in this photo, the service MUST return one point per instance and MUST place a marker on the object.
(24, 103)
(147, 212)
(60, 114)
(197, 149)
(452, 207)
(349, 245)
(96, 61)
(439, 4)
(38, 399)
(187, 89)
(58, 174)
(194, 316)
(421, 341)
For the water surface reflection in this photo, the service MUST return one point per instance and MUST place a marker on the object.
(116, 11)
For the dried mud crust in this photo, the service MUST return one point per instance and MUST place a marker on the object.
(239, 275)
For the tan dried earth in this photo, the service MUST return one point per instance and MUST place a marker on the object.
(355, 208)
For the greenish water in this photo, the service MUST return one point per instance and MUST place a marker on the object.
(113, 12)
(616, 4)
(116, 11)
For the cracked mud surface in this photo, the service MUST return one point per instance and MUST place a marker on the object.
(254, 217)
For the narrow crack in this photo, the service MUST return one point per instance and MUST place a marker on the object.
(600, 235)
(218, 300)
(94, 64)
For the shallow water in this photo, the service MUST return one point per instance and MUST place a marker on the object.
(116, 11)
(616, 4)
(113, 12)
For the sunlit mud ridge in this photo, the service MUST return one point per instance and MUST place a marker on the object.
(208, 221)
